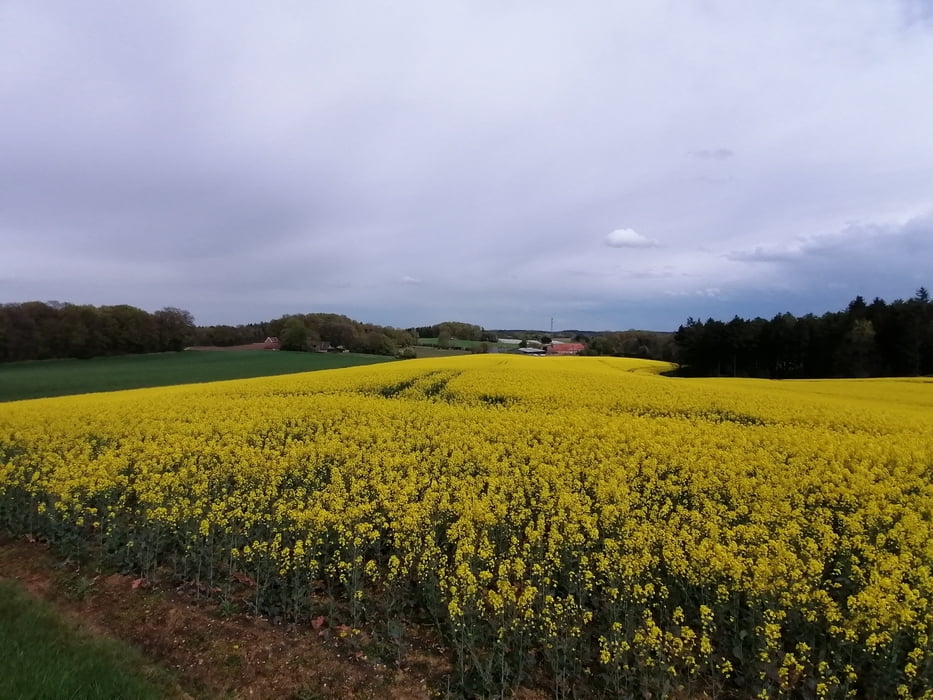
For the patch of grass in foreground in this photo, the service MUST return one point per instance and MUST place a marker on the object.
(43, 656)
(31, 380)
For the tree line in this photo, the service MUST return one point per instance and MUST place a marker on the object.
(648, 345)
(454, 330)
(863, 340)
(321, 330)
(37, 330)
(52, 330)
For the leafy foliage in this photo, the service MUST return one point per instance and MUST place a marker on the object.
(38, 331)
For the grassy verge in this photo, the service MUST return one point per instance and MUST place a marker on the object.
(28, 380)
(207, 650)
(42, 656)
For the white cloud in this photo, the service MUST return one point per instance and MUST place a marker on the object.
(629, 238)
(408, 279)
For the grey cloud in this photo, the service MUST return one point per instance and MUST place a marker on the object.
(713, 153)
(872, 259)
(714, 180)
(705, 292)
(645, 273)
(765, 255)
(243, 161)
(854, 240)
(917, 11)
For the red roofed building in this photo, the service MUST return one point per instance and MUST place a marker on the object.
(272, 343)
(565, 348)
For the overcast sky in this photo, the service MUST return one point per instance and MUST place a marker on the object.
(605, 164)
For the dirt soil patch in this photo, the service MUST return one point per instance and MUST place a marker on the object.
(216, 656)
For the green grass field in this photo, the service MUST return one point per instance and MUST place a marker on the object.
(44, 656)
(454, 343)
(29, 380)
(429, 351)
(464, 344)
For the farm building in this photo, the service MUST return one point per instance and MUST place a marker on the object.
(565, 348)
(518, 341)
(272, 343)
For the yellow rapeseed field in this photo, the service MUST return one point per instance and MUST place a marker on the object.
(581, 522)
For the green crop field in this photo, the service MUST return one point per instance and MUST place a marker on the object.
(29, 380)
(464, 344)
(433, 351)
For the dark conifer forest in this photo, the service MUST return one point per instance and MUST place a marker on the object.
(874, 339)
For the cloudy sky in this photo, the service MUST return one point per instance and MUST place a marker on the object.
(605, 164)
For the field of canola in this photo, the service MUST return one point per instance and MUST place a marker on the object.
(580, 523)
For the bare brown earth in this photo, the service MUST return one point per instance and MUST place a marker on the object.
(217, 656)
(214, 656)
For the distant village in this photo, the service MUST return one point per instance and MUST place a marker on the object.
(555, 346)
